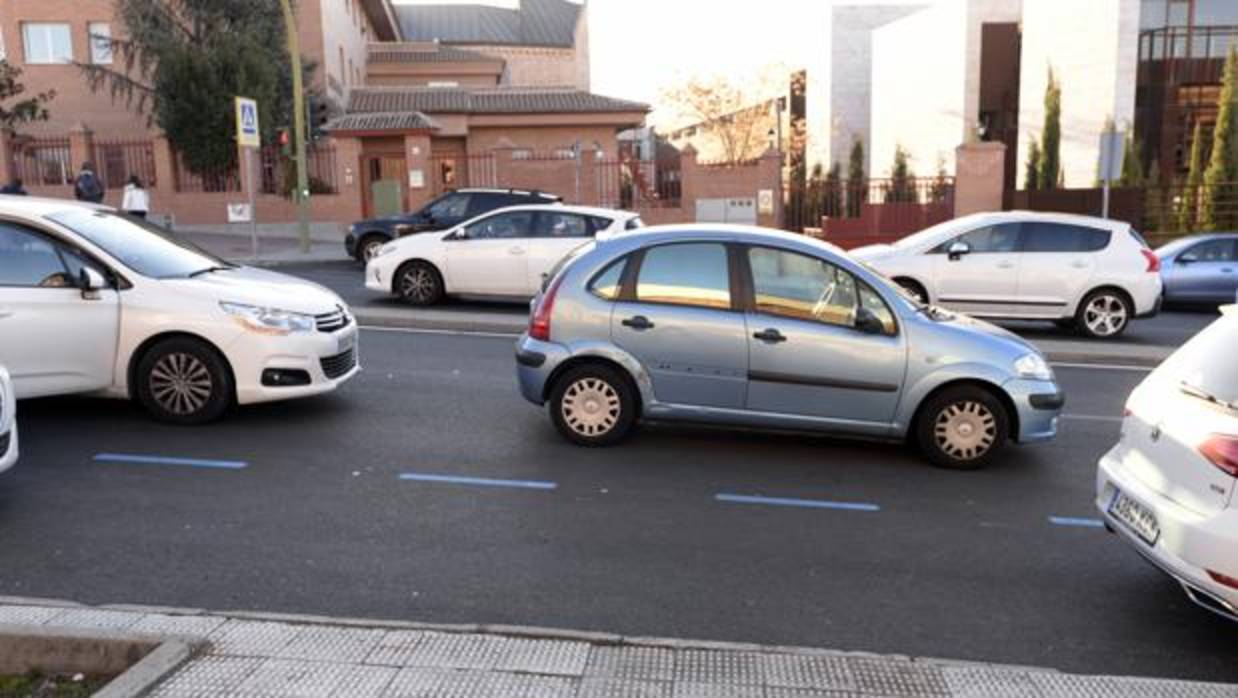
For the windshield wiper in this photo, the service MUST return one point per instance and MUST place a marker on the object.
(209, 270)
(1198, 392)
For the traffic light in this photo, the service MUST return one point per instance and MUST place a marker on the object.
(285, 142)
(319, 113)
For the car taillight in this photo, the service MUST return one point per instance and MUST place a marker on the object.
(1222, 451)
(1154, 262)
(1225, 579)
(539, 321)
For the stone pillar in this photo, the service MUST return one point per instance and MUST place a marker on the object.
(81, 147)
(7, 170)
(417, 160)
(979, 177)
(770, 178)
(348, 177)
(163, 189)
(688, 174)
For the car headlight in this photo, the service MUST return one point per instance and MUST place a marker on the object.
(1033, 366)
(270, 320)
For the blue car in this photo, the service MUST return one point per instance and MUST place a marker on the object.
(1201, 269)
(747, 326)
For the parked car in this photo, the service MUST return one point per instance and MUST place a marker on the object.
(8, 422)
(740, 325)
(364, 238)
(1167, 487)
(92, 301)
(501, 253)
(1200, 268)
(1091, 274)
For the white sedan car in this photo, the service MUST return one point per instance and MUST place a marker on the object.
(95, 302)
(501, 253)
(1168, 486)
(1092, 274)
(8, 422)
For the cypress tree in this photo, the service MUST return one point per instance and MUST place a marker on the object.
(1051, 136)
(1188, 207)
(1031, 175)
(1222, 174)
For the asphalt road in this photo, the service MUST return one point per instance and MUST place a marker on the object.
(964, 565)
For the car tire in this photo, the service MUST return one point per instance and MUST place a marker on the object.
(419, 283)
(1104, 314)
(962, 428)
(593, 405)
(914, 288)
(184, 381)
(368, 246)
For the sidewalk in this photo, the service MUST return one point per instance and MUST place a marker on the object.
(275, 246)
(268, 655)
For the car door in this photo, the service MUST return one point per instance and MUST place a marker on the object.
(1057, 263)
(806, 355)
(490, 256)
(56, 339)
(556, 234)
(1205, 272)
(679, 323)
(984, 279)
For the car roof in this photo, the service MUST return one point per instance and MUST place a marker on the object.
(560, 208)
(498, 190)
(747, 233)
(39, 207)
(1180, 242)
(1043, 216)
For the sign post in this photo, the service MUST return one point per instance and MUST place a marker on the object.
(249, 139)
(1112, 145)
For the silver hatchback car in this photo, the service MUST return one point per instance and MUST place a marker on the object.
(755, 327)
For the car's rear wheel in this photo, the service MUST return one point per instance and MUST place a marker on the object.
(593, 405)
(419, 283)
(368, 246)
(184, 381)
(1104, 313)
(962, 428)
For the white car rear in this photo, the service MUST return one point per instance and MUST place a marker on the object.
(8, 422)
(1093, 273)
(1167, 487)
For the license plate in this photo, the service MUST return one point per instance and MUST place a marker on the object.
(1135, 516)
(348, 342)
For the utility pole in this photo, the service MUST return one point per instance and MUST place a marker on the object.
(301, 195)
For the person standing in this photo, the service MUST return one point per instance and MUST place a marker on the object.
(87, 186)
(136, 200)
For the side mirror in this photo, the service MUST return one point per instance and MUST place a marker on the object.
(458, 234)
(867, 322)
(957, 249)
(90, 282)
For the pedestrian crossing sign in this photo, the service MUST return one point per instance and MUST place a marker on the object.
(247, 135)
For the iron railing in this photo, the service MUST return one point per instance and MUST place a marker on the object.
(119, 159)
(42, 161)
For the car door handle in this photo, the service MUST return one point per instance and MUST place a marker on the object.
(1005, 265)
(639, 322)
(516, 251)
(1079, 265)
(1227, 270)
(5, 312)
(770, 335)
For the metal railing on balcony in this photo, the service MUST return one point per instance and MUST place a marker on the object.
(42, 161)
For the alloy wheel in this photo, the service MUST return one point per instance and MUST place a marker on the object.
(417, 284)
(181, 384)
(1105, 315)
(591, 407)
(370, 250)
(965, 430)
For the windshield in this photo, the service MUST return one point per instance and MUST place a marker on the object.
(140, 246)
(924, 236)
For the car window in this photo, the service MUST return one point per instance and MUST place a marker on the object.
(562, 225)
(600, 223)
(140, 246)
(1057, 237)
(514, 224)
(29, 260)
(634, 223)
(1002, 237)
(1211, 251)
(483, 202)
(452, 206)
(607, 284)
(789, 284)
(691, 273)
(871, 301)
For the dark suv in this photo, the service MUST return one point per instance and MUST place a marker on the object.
(452, 208)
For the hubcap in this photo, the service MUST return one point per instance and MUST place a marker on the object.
(370, 251)
(181, 384)
(1105, 315)
(591, 407)
(417, 284)
(965, 430)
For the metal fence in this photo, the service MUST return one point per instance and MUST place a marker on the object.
(42, 161)
(279, 170)
(1165, 211)
(820, 200)
(117, 160)
(456, 170)
(635, 184)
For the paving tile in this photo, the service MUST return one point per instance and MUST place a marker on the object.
(782, 692)
(1052, 685)
(424, 682)
(330, 644)
(207, 676)
(29, 615)
(808, 671)
(622, 688)
(711, 666)
(452, 651)
(897, 677)
(986, 682)
(397, 647)
(251, 638)
(160, 624)
(646, 663)
(291, 678)
(695, 689)
(95, 618)
(543, 657)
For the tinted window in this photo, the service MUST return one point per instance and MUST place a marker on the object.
(486, 201)
(797, 286)
(143, 247)
(1211, 251)
(607, 284)
(516, 224)
(874, 303)
(1003, 237)
(562, 225)
(452, 206)
(29, 260)
(634, 223)
(1056, 237)
(599, 223)
(685, 274)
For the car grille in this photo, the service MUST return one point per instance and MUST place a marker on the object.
(4, 444)
(338, 365)
(332, 321)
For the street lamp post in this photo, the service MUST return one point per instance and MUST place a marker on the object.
(301, 195)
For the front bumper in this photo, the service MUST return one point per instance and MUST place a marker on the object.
(379, 274)
(1039, 407)
(1190, 543)
(536, 362)
(324, 356)
(350, 244)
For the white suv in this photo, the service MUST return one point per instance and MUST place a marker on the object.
(1092, 274)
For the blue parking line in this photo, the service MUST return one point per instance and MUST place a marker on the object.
(1074, 521)
(787, 502)
(132, 459)
(480, 481)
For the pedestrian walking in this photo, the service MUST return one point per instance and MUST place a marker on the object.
(136, 200)
(87, 186)
(15, 188)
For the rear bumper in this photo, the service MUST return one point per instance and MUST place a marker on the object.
(1146, 293)
(536, 362)
(1156, 308)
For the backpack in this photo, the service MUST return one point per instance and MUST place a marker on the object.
(89, 188)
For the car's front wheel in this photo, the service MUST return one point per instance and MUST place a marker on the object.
(419, 283)
(184, 381)
(368, 247)
(593, 405)
(962, 428)
(1104, 313)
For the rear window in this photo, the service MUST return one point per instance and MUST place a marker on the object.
(1057, 237)
(607, 284)
(634, 224)
(563, 263)
(1205, 361)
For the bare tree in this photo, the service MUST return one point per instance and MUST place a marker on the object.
(736, 115)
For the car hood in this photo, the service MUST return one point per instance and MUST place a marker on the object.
(260, 287)
(960, 327)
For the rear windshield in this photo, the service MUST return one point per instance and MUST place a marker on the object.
(1206, 363)
(571, 256)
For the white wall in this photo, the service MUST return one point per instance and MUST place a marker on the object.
(342, 23)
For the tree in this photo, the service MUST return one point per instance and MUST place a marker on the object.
(23, 111)
(182, 62)
(902, 186)
(1132, 162)
(1031, 175)
(1051, 136)
(737, 115)
(1188, 206)
(857, 182)
(1220, 193)
(833, 191)
(940, 188)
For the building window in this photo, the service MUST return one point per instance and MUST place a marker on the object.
(47, 42)
(100, 43)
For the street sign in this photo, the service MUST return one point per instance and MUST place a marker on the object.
(247, 135)
(1112, 145)
(240, 213)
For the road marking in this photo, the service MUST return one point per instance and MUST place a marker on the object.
(481, 481)
(447, 333)
(1092, 417)
(1104, 367)
(787, 502)
(1074, 521)
(132, 459)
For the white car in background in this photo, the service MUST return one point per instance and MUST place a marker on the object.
(501, 253)
(1167, 487)
(1091, 274)
(95, 302)
(8, 422)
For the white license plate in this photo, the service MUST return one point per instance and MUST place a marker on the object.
(1135, 516)
(348, 342)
